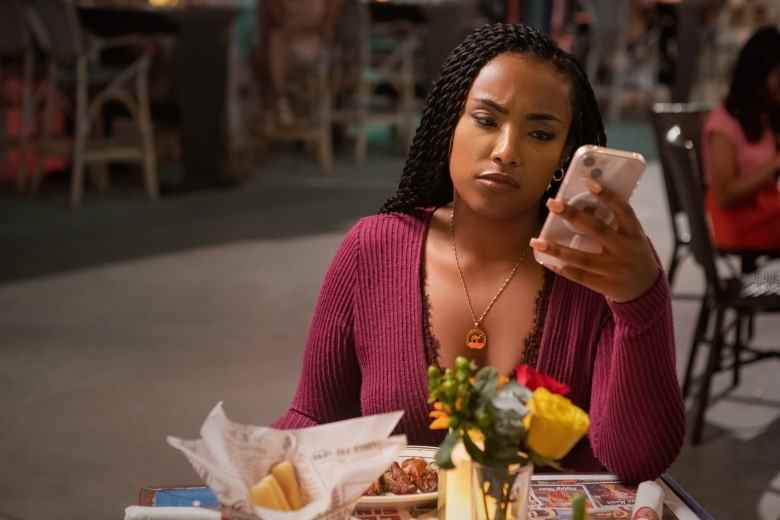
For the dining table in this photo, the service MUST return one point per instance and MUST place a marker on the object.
(201, 31)
(608, 499)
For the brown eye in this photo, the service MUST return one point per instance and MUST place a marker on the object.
(542, 135)
(483, 121)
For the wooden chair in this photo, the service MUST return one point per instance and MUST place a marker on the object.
(75, 64)
(310, 95)
(16, 42)
(312, 104)
(743, 295)
(386, 55)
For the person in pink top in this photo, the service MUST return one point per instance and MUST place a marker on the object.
(446, 268)
(740, 150)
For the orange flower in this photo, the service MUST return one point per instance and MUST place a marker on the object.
(441, 419)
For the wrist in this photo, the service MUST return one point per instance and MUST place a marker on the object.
(639, 290)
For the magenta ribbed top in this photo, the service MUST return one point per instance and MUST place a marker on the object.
(365, 353)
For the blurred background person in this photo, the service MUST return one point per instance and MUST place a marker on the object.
(297, 30)
(740, 150)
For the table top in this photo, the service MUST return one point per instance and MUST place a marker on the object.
(679, 505)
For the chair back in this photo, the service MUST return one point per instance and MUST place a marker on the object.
(684, 170)
(689, 117)
(57, 29)
(14, 33)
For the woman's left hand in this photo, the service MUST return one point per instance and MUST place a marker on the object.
(626, 267)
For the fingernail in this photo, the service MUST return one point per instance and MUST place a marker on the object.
(555, 205)
(539, 245)
(593, 186)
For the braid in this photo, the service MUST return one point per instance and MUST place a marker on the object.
(425, 181)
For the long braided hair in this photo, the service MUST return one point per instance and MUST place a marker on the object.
(426, 181)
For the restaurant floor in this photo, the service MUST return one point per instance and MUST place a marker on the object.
(126, 321)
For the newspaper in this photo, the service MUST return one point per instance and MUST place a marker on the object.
(335, 463)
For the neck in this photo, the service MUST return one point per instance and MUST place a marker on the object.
(487, 240)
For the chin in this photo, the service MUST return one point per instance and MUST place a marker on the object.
(498, 208)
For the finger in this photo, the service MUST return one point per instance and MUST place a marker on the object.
(585, 220)
(595, 263)
(627, 220)
(588, 279)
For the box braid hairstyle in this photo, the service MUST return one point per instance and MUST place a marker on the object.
(426, 181)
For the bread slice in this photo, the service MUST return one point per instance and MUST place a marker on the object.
(267, 493)
(284, 473)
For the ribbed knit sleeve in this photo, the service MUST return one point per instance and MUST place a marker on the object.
(637, 413)
(329, 385)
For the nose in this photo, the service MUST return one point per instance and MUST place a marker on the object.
(505, 150)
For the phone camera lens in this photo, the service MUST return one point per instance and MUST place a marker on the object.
(596, 173)
(589, 161)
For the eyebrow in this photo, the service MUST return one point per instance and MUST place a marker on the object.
(542, 116)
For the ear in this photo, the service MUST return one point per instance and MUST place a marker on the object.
(566, 155)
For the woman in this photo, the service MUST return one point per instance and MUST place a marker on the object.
(449, 255)
(740, 150)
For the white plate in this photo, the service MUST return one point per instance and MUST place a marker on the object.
(391, 500)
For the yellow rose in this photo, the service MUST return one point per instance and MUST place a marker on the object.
(554, 424)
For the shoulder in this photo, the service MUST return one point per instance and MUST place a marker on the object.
(390, 229)
(722, 122)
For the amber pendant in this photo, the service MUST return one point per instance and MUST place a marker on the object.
(476, 339)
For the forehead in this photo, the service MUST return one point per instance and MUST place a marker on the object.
(524, 83)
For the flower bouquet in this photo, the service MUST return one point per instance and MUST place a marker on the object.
(505, 427)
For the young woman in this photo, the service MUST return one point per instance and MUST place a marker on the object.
(740, 150)
(446, 268)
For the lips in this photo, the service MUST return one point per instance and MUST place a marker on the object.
(499, 179)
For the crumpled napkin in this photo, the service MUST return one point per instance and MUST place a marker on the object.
(334, 463)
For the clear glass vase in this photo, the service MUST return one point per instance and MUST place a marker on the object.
(500, 492)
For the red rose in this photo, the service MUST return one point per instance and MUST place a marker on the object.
(532, 380)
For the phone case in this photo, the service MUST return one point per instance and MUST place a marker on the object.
(616, 170)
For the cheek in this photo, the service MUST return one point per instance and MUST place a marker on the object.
(545, 161)
(466, 149)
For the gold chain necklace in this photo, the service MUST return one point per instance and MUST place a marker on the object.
(477, 337)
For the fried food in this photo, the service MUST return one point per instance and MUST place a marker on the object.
(279, 490)
(268, 494)
(413, 475)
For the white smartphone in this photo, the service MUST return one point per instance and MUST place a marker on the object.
(616, 170)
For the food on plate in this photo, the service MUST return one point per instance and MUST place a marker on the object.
(397, 481)
(426, 479)
(413, 475)
(279, 490)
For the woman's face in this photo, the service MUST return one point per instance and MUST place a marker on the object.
(511, 136)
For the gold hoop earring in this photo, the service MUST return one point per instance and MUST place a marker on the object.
(558, 175)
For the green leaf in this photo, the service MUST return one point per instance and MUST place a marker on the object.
(514, 396)
(443, 456)
(472, 449)
(578, 507)
(485, 382)
(508, 423)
